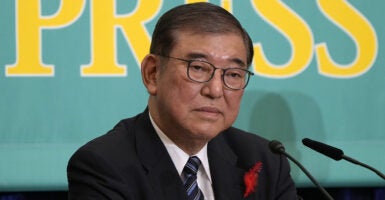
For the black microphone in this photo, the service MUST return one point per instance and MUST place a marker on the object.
(278, 148)
(336, 154)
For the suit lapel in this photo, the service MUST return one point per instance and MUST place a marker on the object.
(163, 177)
(160, 170)
(227, 177)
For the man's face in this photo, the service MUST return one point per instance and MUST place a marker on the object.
(198, 111)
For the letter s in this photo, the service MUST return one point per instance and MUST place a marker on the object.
(355, 26)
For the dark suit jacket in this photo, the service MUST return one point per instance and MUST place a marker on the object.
(131, 162)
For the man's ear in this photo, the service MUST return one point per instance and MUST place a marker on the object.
(150, 72)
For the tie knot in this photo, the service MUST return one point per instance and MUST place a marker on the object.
(192, 165)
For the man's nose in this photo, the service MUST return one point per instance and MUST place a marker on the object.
(214, 87)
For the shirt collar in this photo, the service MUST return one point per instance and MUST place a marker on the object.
(178, 156)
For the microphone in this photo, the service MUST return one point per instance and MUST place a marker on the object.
(278, 148)
(336, 154)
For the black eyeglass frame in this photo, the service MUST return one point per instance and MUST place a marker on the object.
(249, 73)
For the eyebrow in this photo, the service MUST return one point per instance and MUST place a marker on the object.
(205, 57)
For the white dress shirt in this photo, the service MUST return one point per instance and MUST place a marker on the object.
(180, 158)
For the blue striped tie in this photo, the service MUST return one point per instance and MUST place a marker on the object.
(190, 183)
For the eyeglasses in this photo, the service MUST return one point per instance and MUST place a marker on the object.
(201, 72)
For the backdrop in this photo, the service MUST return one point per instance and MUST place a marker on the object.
(70, 72)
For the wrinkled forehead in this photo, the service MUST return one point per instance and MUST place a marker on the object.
(223, 42)
(176, 34)
(180, 36)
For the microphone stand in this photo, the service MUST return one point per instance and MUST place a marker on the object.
(327, 195)
(354, 161)
(278, 148)
(336, 154)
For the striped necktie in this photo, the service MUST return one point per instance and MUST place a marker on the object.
(190, 182)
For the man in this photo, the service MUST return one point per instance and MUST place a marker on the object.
(195, 75)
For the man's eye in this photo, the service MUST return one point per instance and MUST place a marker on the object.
(196, 67)
(234, 75)
(199, 67)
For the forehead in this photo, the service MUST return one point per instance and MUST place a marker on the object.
(211, 46)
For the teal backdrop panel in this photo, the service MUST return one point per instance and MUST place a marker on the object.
(70, 70)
